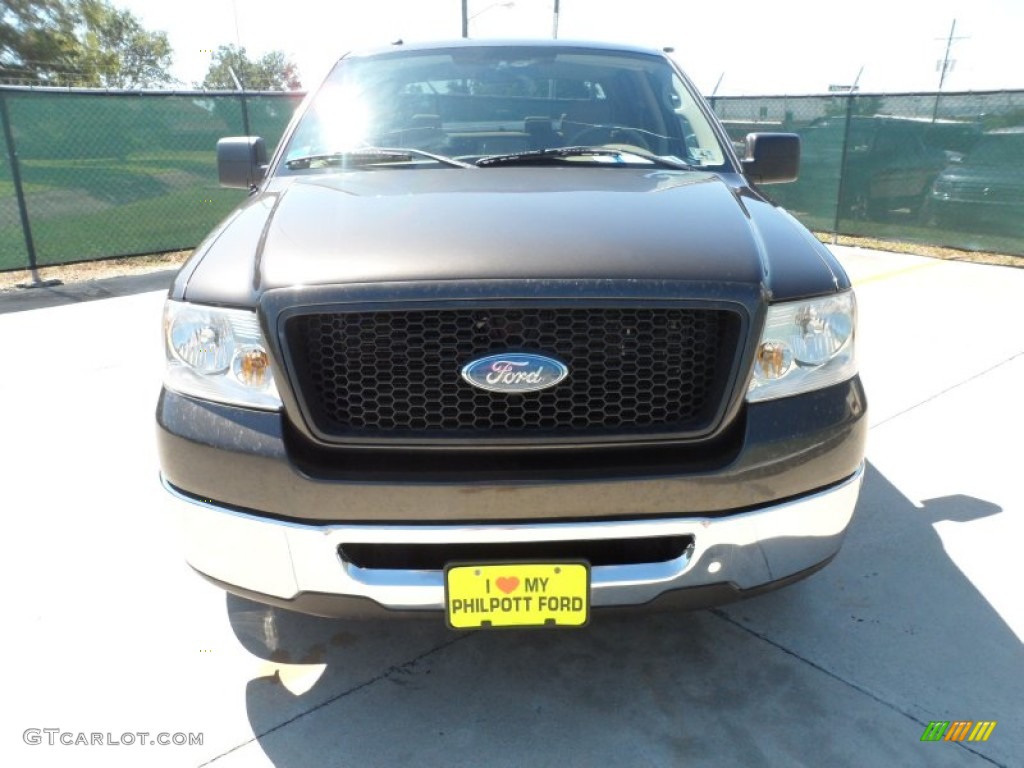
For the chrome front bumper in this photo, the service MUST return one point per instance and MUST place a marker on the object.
(284, 560)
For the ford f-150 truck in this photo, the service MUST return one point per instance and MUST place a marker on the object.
(506, 332)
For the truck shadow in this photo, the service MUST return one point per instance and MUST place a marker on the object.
(891, 635)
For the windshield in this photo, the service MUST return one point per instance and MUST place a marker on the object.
(476, 102)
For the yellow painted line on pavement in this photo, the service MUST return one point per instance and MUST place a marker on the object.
(897, 272)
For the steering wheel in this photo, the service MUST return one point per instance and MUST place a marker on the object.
(610, 135)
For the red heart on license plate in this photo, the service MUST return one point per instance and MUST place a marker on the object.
(507, 584)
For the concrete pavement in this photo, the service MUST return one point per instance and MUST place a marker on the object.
(919, 618)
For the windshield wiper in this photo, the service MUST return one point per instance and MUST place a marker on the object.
(372, 156)
(541, 156)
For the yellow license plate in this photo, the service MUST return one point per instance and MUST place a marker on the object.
(517, 595)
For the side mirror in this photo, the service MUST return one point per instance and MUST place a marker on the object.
(241, 161)
(772, 158)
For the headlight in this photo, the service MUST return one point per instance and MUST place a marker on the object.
(942, 188)
(218, 354)
(805, 345)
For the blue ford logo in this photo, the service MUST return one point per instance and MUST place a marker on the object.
(514, 372)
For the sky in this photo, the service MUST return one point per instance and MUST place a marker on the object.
(758, 48)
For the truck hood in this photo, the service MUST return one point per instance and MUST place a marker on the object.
(500, 223)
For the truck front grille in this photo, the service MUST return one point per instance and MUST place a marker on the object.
(396, 374)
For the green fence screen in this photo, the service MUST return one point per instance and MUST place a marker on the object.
(937, 169)
(114, 174)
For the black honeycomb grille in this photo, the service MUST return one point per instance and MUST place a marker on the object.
(380, 374)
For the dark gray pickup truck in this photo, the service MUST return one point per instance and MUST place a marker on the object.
(506, 332)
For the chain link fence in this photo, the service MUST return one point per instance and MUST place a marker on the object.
(106, 174)
(938, 169)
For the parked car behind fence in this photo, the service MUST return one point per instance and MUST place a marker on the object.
(985, 189)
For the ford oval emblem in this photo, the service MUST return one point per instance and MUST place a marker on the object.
(514, 372)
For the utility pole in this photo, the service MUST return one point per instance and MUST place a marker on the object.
(465, 18)
(945, 66)
(554, 28)
(721, 77)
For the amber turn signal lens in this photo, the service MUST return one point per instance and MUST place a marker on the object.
(252, 367)
(773, 360)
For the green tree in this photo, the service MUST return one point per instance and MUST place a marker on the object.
(118, 52)
(271, 72)
(37, 42)
(80, 42)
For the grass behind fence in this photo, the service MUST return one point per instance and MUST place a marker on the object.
(107, 175)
